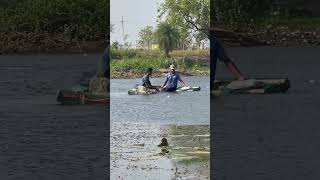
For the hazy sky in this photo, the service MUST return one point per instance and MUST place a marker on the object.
(136, 13)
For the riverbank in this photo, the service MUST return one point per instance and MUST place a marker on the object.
(158, 73)
(274, 31)
(33, 43)
(45, 26)
(130, 63)
(284, 36)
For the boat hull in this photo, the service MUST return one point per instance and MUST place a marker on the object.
(68, 97)
(251, 86)
(136, 91)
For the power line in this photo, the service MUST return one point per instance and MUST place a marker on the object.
(122, 22)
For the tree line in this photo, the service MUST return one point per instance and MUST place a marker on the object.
(183, 22)
(77, 18)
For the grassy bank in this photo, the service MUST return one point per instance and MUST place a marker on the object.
(127, 65)
(139, 53)
(49, 25)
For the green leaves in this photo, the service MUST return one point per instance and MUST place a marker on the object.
(238, 14)
(190, 17)
(80, 18)
(167, 37)
(146, 37)
(193, 15)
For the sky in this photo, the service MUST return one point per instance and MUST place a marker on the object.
(137, 14)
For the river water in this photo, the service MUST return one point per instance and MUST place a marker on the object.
(272, 136)
(164, 108)
(40, 139)
(255, 136)
(138, 123)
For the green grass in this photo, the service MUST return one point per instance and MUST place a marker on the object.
(134, 62)
(139, 65)
(53, 25)
(136, 53)
(80, 19)
(184, 53)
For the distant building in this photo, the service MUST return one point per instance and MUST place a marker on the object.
(155, 47)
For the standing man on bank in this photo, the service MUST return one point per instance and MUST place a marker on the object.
(217, 51)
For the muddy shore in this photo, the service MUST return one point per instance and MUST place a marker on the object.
(276, 36)
(285, 37)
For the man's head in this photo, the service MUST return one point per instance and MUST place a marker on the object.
(149, 71)
(172, 68)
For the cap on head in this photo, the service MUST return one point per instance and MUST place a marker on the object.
(172, 66)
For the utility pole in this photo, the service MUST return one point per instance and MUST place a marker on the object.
(122, 22)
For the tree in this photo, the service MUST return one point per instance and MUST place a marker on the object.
(115, 45)
(146, 37)
(167, 37)
(126, 44)
(238, 14)
(193, 15)
(183, 39)
(111, 28)
(200, 38)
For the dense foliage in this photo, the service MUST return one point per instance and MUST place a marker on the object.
(84, 19)
(146, 37)
(167, 36)
(190, 16)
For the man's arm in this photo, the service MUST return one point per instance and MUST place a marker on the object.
(165, 82)
(184, 84)
(149, 86)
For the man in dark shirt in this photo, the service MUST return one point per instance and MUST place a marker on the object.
(146, 80)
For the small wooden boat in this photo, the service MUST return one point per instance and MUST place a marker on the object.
(69, 97)
(140, 90)
(96, 92)
(251, 86)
